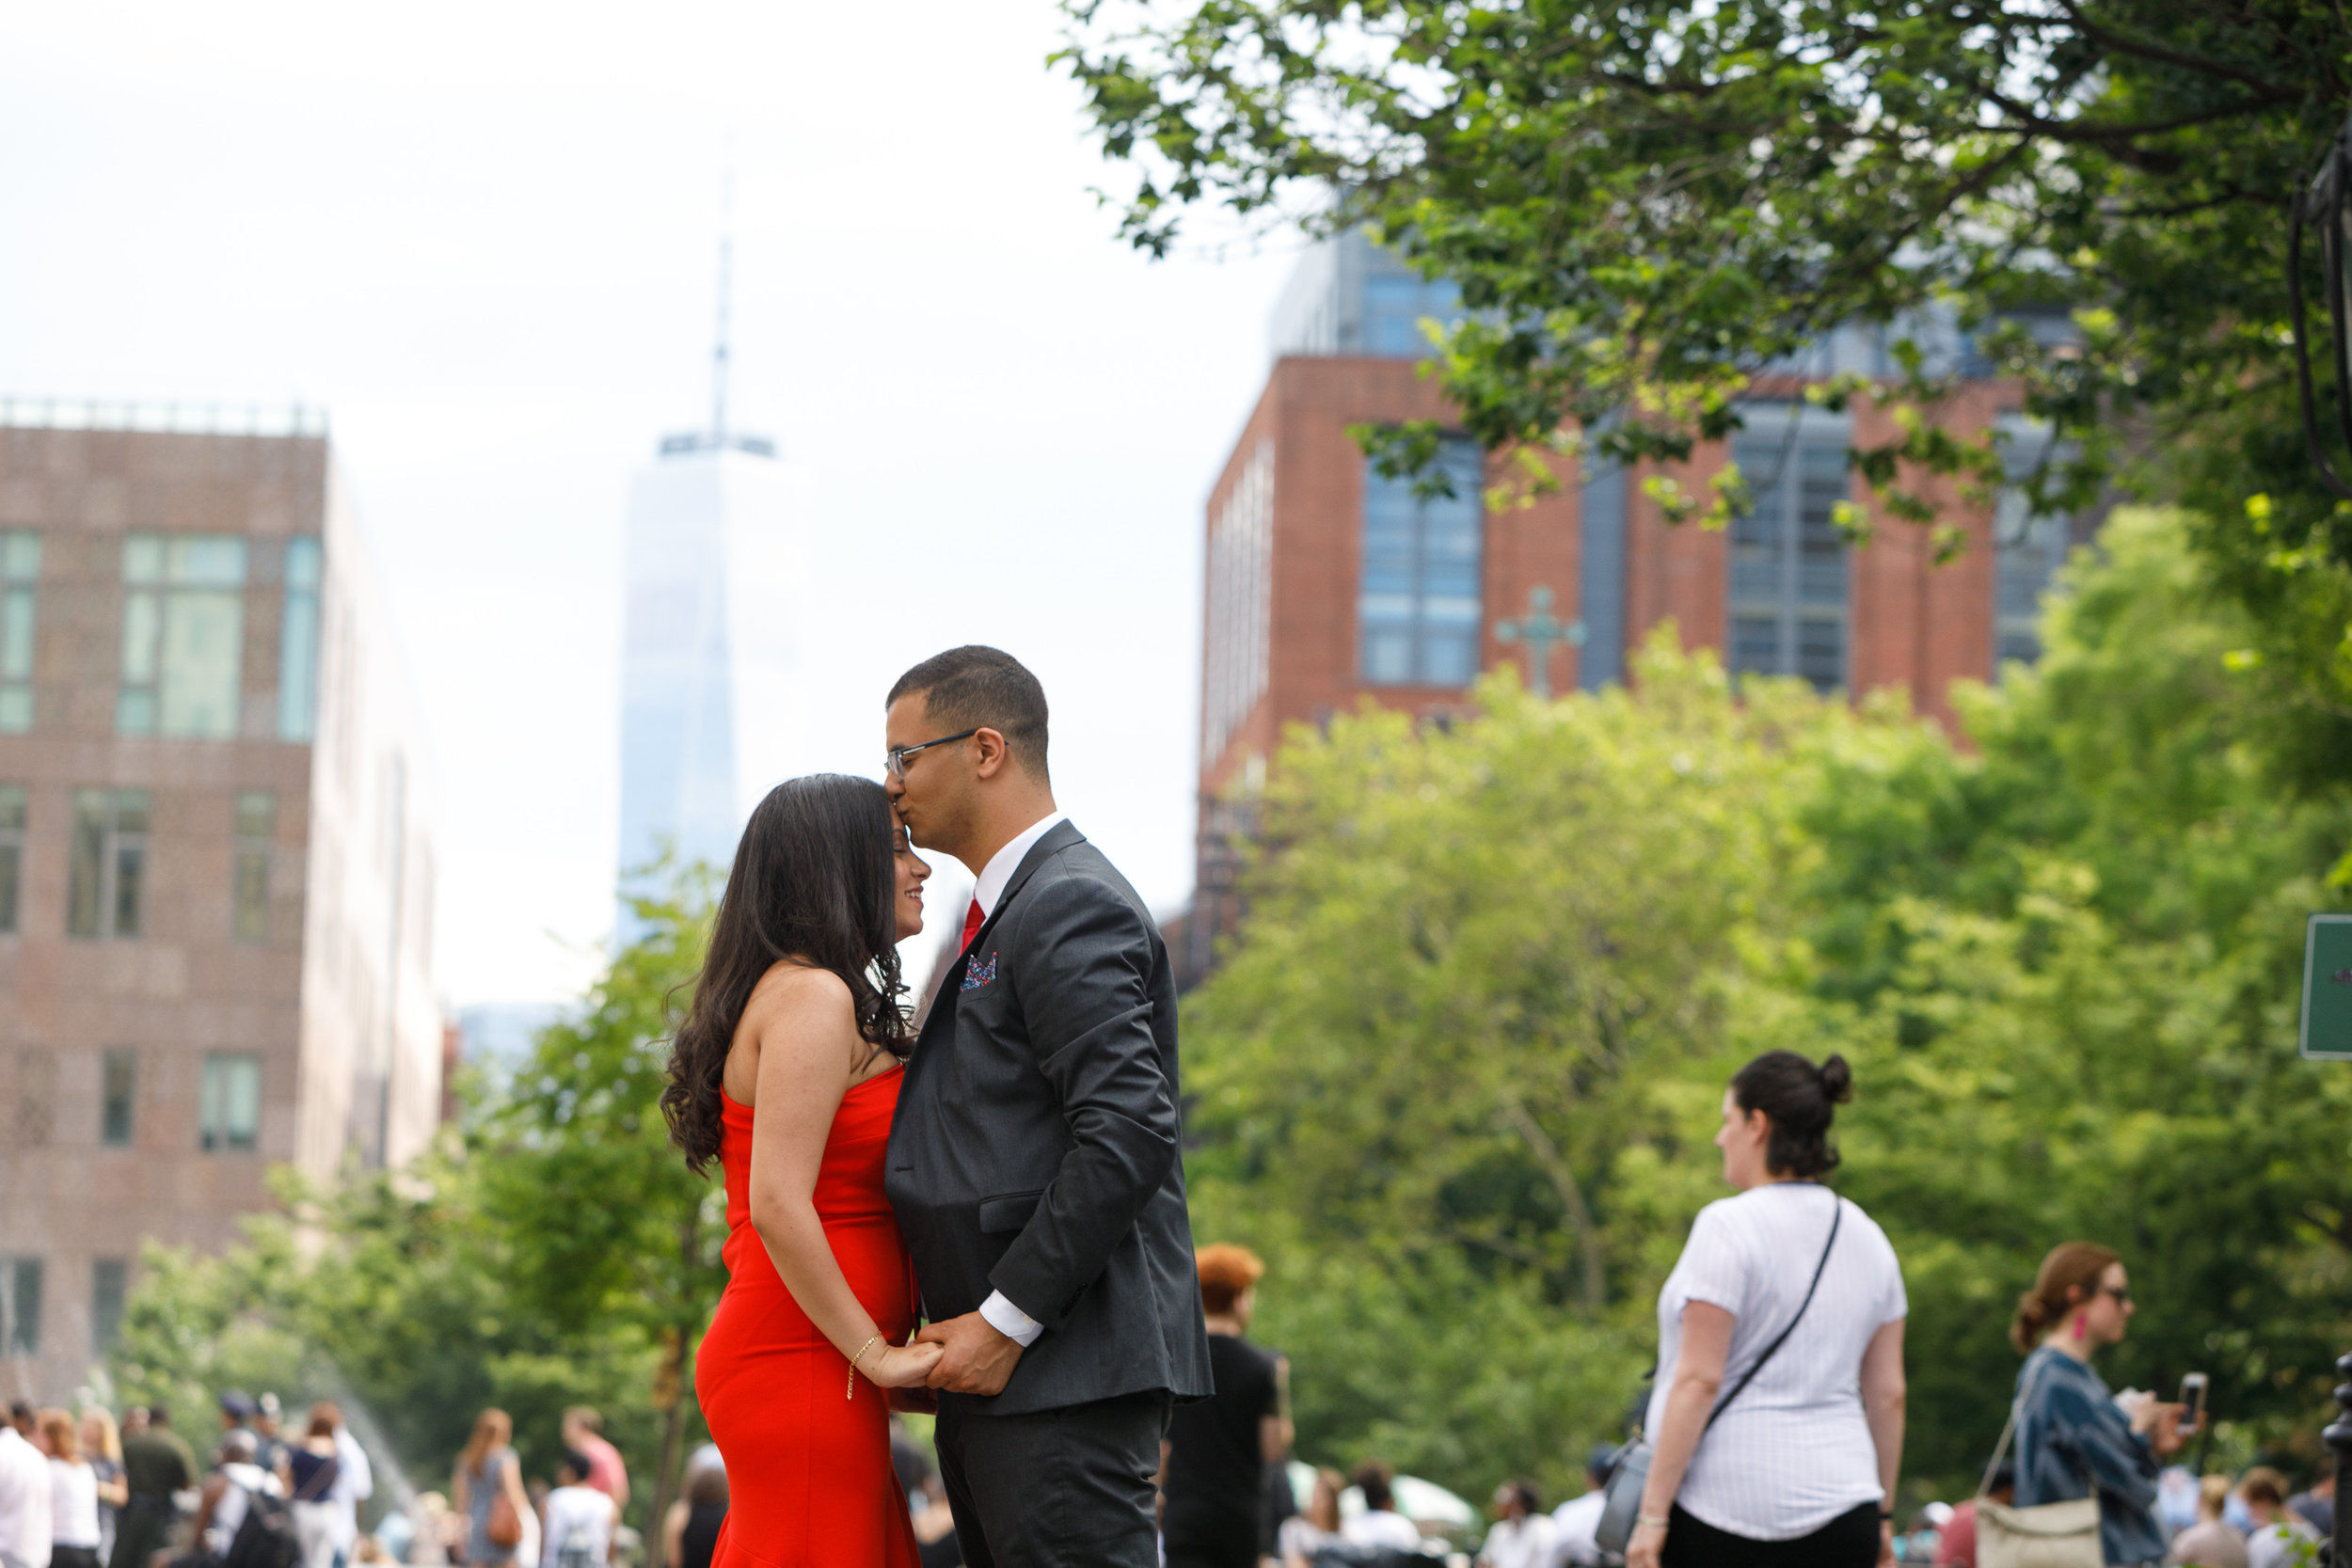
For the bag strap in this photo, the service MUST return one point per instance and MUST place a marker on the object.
(2000, 1449)
(1838, 1216)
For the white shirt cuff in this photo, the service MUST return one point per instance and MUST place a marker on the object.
(1009, 1320)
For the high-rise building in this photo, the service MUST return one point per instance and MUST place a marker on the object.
(1327, 583)
(712, 566)
(215, 855)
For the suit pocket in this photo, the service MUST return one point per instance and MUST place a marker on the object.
(1007, 1211)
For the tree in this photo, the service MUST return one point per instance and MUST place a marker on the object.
(1645, 206)
(1472, 1038)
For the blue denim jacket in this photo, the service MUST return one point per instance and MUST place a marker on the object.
(2071, 1441)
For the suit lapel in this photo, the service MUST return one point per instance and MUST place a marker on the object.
(1062, 836)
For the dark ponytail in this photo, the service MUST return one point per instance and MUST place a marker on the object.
(1801, 1099)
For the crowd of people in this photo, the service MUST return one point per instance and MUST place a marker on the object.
(78, 1491)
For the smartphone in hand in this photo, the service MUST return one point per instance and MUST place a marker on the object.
(2192, 1405)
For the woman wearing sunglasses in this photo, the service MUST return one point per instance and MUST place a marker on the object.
(2072, 1439)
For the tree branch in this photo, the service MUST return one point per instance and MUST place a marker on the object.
(1555, 1168)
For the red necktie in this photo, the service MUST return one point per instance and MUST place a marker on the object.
(972, 920)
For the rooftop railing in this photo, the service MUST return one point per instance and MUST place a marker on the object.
(187, 418)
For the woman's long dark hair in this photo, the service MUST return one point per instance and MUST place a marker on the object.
(814, 880)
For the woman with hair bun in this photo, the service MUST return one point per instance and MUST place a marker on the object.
(1776, 1422)
(2073, 1440)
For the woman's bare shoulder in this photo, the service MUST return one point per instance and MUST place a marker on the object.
(800, 993)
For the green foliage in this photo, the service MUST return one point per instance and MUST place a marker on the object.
(551, 1251)
(1458, 1077)
(1646, 205)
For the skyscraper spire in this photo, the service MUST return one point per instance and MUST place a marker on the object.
(718, 352)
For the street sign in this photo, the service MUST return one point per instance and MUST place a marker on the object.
(2327, 988)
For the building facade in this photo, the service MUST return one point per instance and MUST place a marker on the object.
(1327, 584)
(215, 856)
(708, 704)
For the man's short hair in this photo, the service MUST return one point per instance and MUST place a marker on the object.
(974, 688)
(238, 1446)
(2262, 1484)
(1226, 1270)
(1374, 1480)
(582, 1415)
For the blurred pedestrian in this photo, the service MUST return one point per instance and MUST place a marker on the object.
(228, 1496)
(692, 1532)
(1791, 1296)
(1214, 1465)
(354, 1479)
(2210, 1542)
(2316, 1507)
(2278, 1534)
(20, 1417)
(1574, 1522)
(1956, 1542)
(26, 1501)
(236, 1415)
(2075, 1439)
(1317, 1525)
(1380, 1524)
(268, 1431)
(73, 1493)
(580, 1519)
(309, 1476)
(156, 1463)
(102, 1445)
(1522, 1534)
(583, 1433)
(487, 1492)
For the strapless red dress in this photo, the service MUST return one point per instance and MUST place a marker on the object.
(809, 1482)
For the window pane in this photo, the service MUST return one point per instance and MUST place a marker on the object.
(298, 660)
(132, 808)
(143, 558)
(11, 870)
(93, 810)
(24, 1308)
(205, 560)
(16, 709)
(257, 815)
(20, 555)
(302, 562)
(241, 1102)
(130, 888)
(1419, 602)
(252, 896)
(135, 711)
(204, 643)
(109, 1289)
(16, 634)
(11, 808)
(118, 1085)
(142, 628)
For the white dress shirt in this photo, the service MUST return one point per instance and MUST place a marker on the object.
(1576, 1530)
(73, 1503)
(26, 1495)
(1002, 1315)
(354, 1483)
(1524, 1544)
(1382, 1527)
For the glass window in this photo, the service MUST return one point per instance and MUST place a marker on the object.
(20, 570)
(230, 1103)
(256, 826)
(2028, 549)
(12, 853)
(109, 1290)
(1397, 304)
(118, 1090)
(1420, 605)
(106, 882)
(298, 643)
(23, 1306)
(183, 635)
(1788, 570)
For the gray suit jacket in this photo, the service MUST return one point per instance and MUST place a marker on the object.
(1036, 1146)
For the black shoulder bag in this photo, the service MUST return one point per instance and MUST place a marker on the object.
(1631, 1472)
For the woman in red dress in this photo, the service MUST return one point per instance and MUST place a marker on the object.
(786, 1072)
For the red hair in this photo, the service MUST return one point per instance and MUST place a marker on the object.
(1226, 1272)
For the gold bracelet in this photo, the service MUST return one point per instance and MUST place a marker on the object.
(851, 1392)
(1641, 1520)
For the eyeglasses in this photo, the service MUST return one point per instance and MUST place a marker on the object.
(2121, 1293)
(895, 760)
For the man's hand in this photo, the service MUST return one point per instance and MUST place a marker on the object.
(978, 1359)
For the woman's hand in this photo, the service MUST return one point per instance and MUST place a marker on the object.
(1642, 1551)
(1886, 1544)
(899, 1366)
(2165, 1433)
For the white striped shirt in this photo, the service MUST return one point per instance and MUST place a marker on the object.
(1793, 1451)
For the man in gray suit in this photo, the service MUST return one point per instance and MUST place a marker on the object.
(1034, 1163)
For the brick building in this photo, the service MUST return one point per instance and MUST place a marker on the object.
(216, 861)
(1327, 583)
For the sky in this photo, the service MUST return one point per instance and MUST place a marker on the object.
(483, 237)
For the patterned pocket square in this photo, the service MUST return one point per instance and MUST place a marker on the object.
(975, 975)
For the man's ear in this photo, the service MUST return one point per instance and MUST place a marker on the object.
(994, 755)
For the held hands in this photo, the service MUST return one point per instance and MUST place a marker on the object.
(977, 1360)
(899, 1366)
